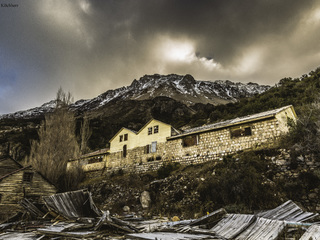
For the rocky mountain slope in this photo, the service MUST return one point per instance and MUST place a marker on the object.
(174, 99)
(184, 89)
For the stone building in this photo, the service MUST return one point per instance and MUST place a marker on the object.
(18, 182)
(158, 142)
(96, 160)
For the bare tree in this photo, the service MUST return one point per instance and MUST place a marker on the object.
(57, 141)
(85, 133)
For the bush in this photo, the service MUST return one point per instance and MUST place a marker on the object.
(165, 170)
(303, 138)
(239, 181)
(71, 180)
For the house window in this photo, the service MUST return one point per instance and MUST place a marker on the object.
(153, 147)
(189, 141)
(121, 138)
(240, 132)
(147, 149)
(150, 148)
(156, 129)
(149, 130)
(95, 160)
(27, 176)
(126, 137)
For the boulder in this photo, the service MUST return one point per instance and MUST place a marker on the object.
(145, 199)
(126, 209)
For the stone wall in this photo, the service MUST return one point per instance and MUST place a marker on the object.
(211, 146)
(216, 144)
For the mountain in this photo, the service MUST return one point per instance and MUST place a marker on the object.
(184, 89)
(174, 99)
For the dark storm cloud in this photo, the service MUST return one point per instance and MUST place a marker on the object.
(221, 28)
(88, 47)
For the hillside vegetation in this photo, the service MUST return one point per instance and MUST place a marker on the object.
(15, 134)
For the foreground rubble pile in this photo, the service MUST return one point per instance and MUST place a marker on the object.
(73, 215)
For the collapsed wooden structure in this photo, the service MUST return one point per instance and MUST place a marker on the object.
(73, 215)
(17, 183)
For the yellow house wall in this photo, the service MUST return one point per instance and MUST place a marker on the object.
(145, 139)
(116, 145)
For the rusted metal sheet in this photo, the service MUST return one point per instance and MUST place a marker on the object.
(232, 225)
(73, 205)
(262, 229)
(313, 233)
(169, 236)
(18, 236)
(288, 211)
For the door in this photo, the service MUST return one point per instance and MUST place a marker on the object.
(124, 152)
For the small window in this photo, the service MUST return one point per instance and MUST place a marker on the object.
(149, 130)
(95, 160)
(126, 137)
(247, 131)
(27, 176)
(189, 141)
(240, 132)
(156, 129)
(121, 138)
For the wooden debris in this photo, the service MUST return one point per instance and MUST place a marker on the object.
(211, 219)
(169, 236)
(31, 208)
(73, 205)
(313, 233)
(125, 224)
(104, 216)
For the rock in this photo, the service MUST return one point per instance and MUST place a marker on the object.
(312, 195)
(300, 158)
(145, 199)
(175, 219)
(126, 209)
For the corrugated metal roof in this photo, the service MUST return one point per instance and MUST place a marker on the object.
(262, 229)
(169, 236)
(73, 205)
(313, 233)
(232, 225)
(288, 211)
(249, 118)
(98, 152)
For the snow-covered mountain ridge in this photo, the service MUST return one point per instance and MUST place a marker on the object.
(181, 88)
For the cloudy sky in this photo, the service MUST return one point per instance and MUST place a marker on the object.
(90, 46)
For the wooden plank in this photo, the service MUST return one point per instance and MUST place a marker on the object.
(210, 219)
